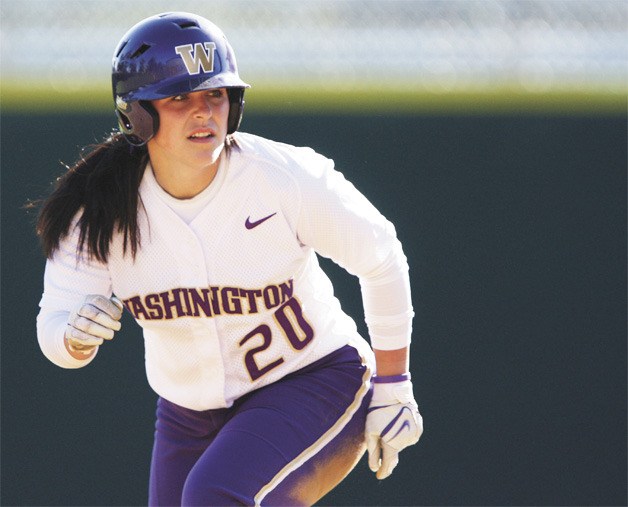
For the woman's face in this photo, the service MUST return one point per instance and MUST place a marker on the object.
(192, 128)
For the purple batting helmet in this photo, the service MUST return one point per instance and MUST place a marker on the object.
(166, 55)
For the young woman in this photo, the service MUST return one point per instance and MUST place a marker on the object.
(208, 237)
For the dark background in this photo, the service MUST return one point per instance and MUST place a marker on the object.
(515, 230)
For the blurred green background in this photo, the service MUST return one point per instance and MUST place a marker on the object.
(492, 133)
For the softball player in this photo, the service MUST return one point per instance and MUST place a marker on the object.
(209, 238)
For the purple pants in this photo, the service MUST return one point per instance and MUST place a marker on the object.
(288, 443)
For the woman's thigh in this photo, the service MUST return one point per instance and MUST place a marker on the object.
(181, 437)
(288, 443)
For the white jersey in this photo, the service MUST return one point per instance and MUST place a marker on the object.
(227, 287)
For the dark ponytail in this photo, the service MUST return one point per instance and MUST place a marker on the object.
(104, 185)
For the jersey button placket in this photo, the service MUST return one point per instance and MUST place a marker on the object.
(196, 259)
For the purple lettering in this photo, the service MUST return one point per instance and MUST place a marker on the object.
(271, 296)
(209, 302)
(171, 302)
(200, 302)
(136, 307)
(231, 300)
(251, 296)
(286, 290)
(153, 304)
(215, 300)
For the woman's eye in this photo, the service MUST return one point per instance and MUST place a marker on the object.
(178, 98)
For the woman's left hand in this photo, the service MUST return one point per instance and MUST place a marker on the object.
(392, 424)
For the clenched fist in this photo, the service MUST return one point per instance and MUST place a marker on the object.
(94, 321)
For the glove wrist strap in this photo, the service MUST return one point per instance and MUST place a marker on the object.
(389, 379)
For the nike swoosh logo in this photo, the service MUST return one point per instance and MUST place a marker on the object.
(404, 426)
(394, 421)
(251, 225)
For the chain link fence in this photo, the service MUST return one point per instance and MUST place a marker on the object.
(424, 45)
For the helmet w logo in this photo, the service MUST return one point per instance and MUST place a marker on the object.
(197, 57)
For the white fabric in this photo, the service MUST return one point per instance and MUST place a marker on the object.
(187, 209)
(226, 309)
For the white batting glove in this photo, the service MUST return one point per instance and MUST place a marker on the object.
(392, 424)
(93, 322)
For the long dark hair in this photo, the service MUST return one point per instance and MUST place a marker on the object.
(103, 185)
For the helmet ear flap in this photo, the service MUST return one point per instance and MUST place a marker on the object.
(138, 122)
(236, 108)
(123, 122)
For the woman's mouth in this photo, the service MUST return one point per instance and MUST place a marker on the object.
(201, 135)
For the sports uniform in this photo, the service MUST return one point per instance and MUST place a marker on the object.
(246, 345)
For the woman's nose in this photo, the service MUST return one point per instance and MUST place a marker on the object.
(203, 107)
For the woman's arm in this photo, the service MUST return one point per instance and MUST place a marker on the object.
(69, 277)
(392, 362)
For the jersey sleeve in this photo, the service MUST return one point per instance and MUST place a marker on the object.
(340, 223)
(68, 278)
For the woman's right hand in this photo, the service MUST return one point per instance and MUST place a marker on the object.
(93, 322)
